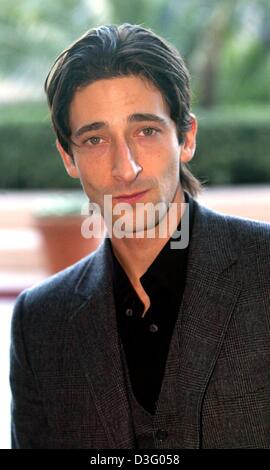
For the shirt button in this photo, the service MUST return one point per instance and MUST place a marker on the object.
(129, 312)
(161, 435)
(153, 328)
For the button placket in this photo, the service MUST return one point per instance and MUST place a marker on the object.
(153, 328)
(129, 312)
(161, 435)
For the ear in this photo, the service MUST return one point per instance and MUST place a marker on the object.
(69, 164)
(189, 145)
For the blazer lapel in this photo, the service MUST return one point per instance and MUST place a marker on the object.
(209, 299)
(100, 350)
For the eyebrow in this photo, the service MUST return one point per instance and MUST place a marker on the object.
(137, 117)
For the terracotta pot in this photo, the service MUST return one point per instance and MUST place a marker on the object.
(63, 241)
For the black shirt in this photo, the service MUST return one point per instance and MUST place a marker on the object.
(146, 339)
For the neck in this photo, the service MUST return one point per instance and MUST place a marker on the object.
(137, 254)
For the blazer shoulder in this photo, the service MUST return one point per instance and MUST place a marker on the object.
(53, 295)
(248, 239)
(243, 229)
(250, 233)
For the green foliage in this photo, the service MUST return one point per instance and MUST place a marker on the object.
(28, 157)
(23, 113)
(232, 148)
(225, 43)
(251, 65)
(34, 32)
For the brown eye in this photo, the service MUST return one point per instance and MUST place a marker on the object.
(94, 140)
(148, 131)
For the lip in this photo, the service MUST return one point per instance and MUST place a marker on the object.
(130, 197)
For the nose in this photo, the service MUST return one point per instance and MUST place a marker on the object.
(125, 166)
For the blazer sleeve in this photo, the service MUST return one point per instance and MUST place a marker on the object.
(29, 427)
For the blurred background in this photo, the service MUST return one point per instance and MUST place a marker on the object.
(226, 45)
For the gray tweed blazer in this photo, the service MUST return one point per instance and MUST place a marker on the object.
(67, 376)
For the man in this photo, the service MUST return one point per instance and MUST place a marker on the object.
(140, 344)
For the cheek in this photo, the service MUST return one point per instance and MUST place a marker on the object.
(91, 173)
(170, 175)
(92, 180)
(171, 165)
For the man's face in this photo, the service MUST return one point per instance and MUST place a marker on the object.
(126, 143)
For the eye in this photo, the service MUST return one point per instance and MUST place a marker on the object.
(94, 140)
(149, 131)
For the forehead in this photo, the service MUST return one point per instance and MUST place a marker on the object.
(115, 98)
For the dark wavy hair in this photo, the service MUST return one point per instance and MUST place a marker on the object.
(111, 51)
